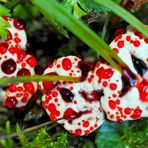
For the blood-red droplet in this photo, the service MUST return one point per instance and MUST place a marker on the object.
(8, 66)
(66, 64)
(136, 114)
(127, 111)
(78, 132)
(31, 61)
(3, 47)
(113, 86)
(23, 72)
(29, 87)
(11, 102)
(19, 24)
(143, 90)
(112, 104)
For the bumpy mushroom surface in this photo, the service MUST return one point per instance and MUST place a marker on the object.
(121, 101)
(78, 104)
(16, 33)
(14, 62)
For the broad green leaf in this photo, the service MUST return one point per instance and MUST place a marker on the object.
(81, 8)
(4, 11)
(3, 25)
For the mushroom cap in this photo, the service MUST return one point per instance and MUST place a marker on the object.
(120, 101)
(16, 33)
(77, 105)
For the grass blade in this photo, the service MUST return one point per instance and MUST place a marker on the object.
(124, 14)
(37, 78)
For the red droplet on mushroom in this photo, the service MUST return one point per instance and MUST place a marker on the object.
(120, 44)
(3, 47)
(112, 104)
(49, 85)
(9, 36)
(8, 66)
(31, 61)
(11, 102)
(21, 54)
(78, 132)
(23, 72)
(136, 114)
(29, 87)
(66, 64)
(19, 24)
(143, 90)
(12, 87)
(113, 86)
(127, 110)
(103, 73)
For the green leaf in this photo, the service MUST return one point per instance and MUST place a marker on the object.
(54, 21)
(81, 8)
(3, 23)
(124, 14)
(4, 11)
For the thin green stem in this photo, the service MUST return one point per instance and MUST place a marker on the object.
(38, 78)
(36, 127)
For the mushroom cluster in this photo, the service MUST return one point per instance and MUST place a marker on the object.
(79, 107)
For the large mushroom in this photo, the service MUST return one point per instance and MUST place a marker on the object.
(77, 105)
(121, 101)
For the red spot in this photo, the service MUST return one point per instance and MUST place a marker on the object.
(86, 124)
(143, 90)
(78, 132)
(9, 36)
(17, 40)
(54, 94)
(136, 114)
(11, 102)
(116, 50)
(49, 85)
(103, 73)
(23, 72)
(127, 111)
(29, 87)
(8, 66)
(19, 24)
(53, 111)
(128, 38)
(113, 86)
(31, 61)
(104, 84)
(66, 64)
(120, 44)
(21, 54)
(146, 40)
(112, 104)
(136, 43)
(12, 87)
(3, 47)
